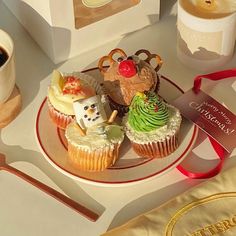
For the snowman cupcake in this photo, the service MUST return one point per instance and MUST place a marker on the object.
(93, 140)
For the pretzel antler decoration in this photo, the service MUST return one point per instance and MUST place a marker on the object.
(151, 56)
(109, 59)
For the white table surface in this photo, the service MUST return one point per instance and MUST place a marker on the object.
(25, 210)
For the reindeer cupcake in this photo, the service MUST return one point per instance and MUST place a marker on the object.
(127, 75)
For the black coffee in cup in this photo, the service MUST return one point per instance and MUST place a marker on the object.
(3, 56)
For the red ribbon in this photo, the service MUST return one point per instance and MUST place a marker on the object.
(220, 151)
(213, 76)
(214, 171)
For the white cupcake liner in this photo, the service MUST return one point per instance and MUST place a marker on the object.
(158, 149)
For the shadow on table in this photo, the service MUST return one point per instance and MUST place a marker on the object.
(32, 65)
(157, 198)
(148, 202)
(66, 184)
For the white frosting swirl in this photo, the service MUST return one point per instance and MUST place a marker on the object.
(97, 137)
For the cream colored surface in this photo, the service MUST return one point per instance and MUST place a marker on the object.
(208, 209)
(27, 211)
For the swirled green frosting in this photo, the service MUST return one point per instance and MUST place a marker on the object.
(147, 112)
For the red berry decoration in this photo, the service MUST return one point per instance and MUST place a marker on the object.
(156, 108)
(72, 85)
(127, 68)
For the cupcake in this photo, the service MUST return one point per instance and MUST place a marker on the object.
(66, 88)
(128, 75)
(152, 125)
(93, 140)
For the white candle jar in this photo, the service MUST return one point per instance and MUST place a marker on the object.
(205, 38)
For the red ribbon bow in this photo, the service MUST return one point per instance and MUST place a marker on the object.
(220, 151)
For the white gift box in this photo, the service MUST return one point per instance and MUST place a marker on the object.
(64, 29)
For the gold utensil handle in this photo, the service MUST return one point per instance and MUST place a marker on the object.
(52, 192)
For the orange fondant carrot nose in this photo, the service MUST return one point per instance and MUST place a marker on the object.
(90, 111)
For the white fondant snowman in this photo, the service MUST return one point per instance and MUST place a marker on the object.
(89, 111)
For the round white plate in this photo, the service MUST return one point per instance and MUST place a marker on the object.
(130, 168)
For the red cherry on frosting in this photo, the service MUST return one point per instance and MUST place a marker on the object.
(127, 68)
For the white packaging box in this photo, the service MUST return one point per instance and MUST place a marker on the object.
(51, 23)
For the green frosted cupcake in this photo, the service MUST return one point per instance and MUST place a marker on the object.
(152, 125)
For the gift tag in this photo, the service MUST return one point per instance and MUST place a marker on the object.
(212, 117)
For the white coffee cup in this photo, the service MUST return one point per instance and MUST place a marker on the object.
(206, 37)
(7, 70)
(95, 3)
